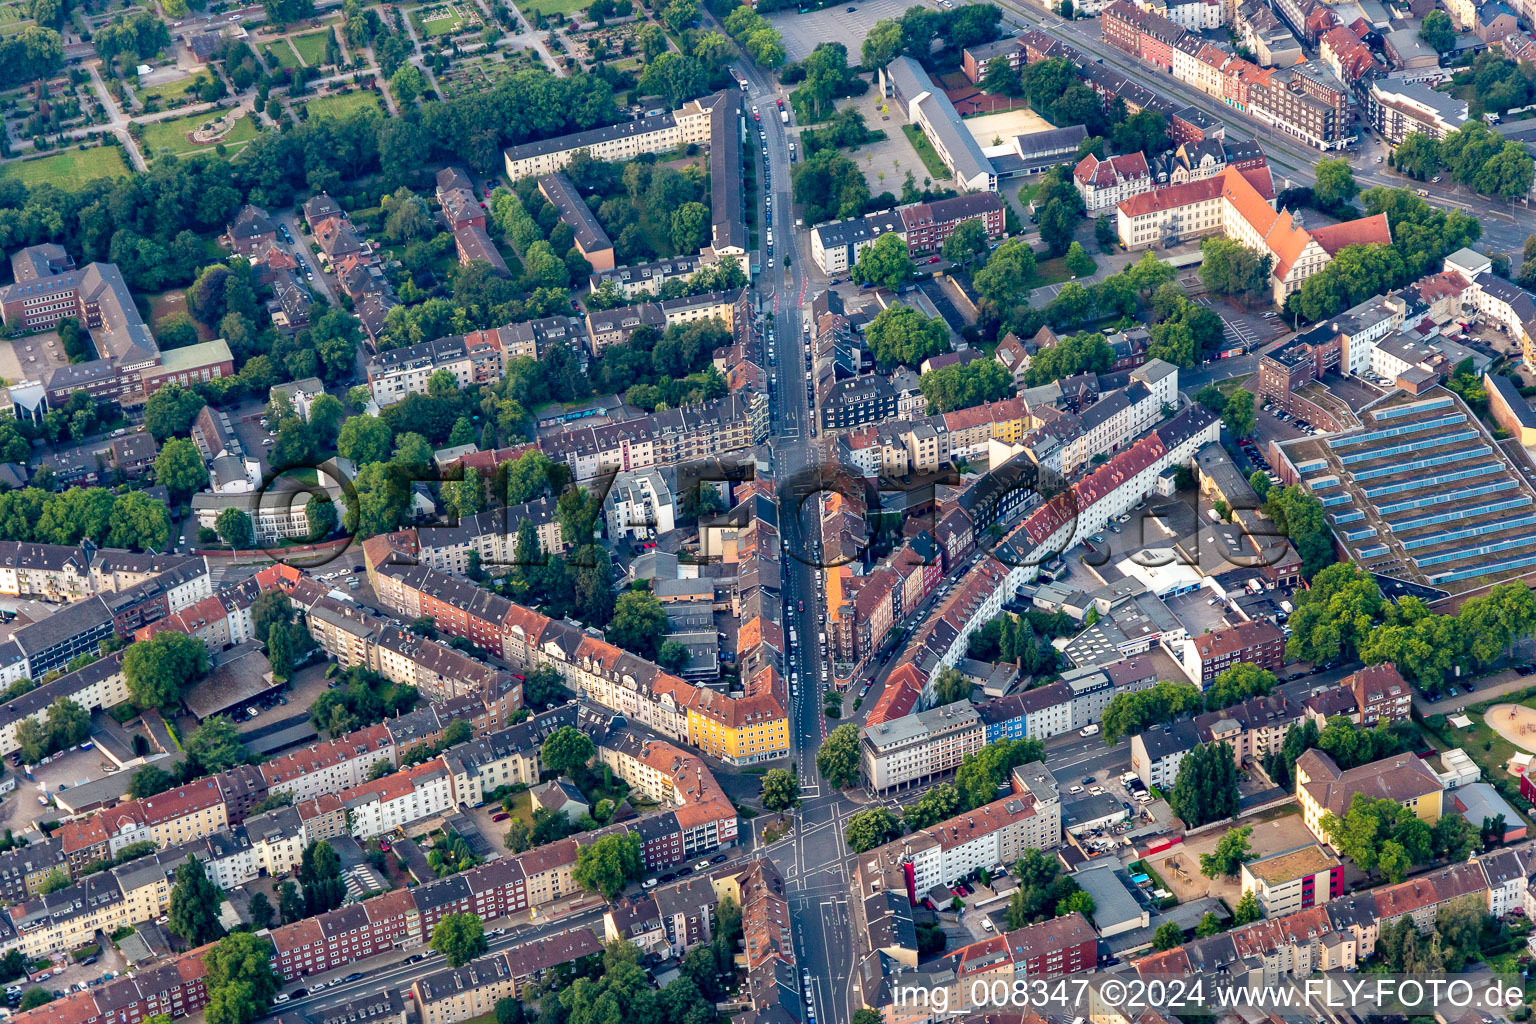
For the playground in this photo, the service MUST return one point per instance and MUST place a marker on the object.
(1515, 722)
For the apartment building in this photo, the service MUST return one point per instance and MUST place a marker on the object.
(645, 279)
(456, 994)
(383, 805)
(918, 748)
(1157, 752)
(331, 766)
(835, 247)
(1323, 788)
(173, 989)
(1208, 655)
(588, 235)
(710, 428)
(656, 134)
(1104, 184)
(1305, 100)
(995, 833)
(479, 357)
(1294, 879)
(1253, 729)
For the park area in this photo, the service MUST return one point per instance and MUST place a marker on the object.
(481, 74)
(176, 136)
(69, 169)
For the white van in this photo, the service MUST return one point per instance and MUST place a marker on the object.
(1089, 730)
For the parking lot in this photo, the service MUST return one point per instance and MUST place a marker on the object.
(1245, 330)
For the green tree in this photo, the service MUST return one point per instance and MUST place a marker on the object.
(1078, 261)
(1335, 187)
(838, 758)
(967, 243)
(1437, 30)
(148, 781)
(364, 439)
(320, 515)
(34, 997)
(609, 864)
(781, 789)
(1205, 789)
(1418, 155)
(885, 264)
(407, 83)
(240, 981)
(901, 336)
(1231, 851)
(639, 623)
(169, 412)
(55, 880)
(566, 751)
(157, 670)
(215, 746)
(68, 723)
(1167, 936)
(882, 44)
(1247, 910)
(869, 828)
(1237, 684)
(1238, 414)
(1209, 925)
(194, 908)
(260, 911)
(234, 528)
(179, 468)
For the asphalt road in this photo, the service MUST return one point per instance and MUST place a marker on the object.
(813, 859)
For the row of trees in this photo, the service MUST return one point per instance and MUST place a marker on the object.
(1475, 155)
(1344, 616)
(132, 520)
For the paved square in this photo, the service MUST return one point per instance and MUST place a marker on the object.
(802, 32)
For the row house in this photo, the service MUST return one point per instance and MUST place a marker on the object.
(461, 993)
(172, 989)
(712, 428)
(331, 766)
(400, 799)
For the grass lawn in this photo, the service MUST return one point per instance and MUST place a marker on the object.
(70, 168)
(283, 53)
(344, 105)
(925, 150)
(170, 91)
(522, 808)
(173, 136)
(530, 7)
(311, 47)
(1052, 271)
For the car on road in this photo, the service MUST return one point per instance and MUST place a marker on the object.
(649, 883)
(300, 993)
(720, 859)
(281, 997)
(354, 976)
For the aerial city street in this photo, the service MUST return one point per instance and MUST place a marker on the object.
(676, 511)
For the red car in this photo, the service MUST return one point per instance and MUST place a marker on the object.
(500, 816)
(935, 259)
(781, 104)
(800, 606)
